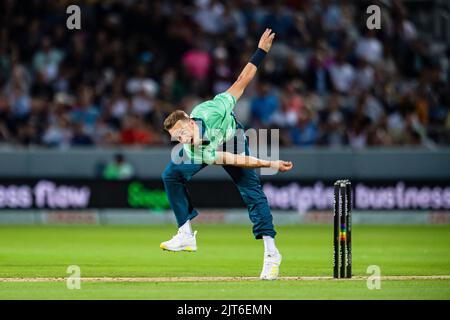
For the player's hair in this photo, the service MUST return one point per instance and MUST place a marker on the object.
(172, 118)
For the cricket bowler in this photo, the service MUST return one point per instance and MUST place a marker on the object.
(210, 126)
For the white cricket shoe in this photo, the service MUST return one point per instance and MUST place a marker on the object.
(181, 242)
(271, 266)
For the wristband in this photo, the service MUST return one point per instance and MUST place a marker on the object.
(258, 57)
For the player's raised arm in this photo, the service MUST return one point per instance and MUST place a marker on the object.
(237, 160)
(249, 71)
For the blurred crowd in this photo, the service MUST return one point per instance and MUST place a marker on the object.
(328, 80)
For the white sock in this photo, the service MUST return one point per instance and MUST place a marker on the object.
(186, 228)
(269, 245)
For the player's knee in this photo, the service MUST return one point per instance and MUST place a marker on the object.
(169, 174)
(253, 197)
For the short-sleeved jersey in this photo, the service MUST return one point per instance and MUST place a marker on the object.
(220, 126)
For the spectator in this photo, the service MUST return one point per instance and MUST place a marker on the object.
(140, 81)
(20, 102)
(279, 19)
(360, 125)
(291, 105)
(142, 103)
(135, 132)
(117, 105)
(234, 20)
(41, 88)
(118, 169)
(342, 75)
(197, 61)
(318, 75)
(197, 65)
(300, 35)
(222, 77)
(85, 112)
(79, 137)
(104, 134)
(47, 60)
(333, 120)
(364, 76)
(369, 48)
(263, 105)
(305, 134)
(58, 134)
(209, 16)
(372, 107)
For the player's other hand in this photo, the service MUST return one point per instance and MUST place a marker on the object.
(281, 165)
(266, 40)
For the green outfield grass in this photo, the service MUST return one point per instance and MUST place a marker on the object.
(133, 251)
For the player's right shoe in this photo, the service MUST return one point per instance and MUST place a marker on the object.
(271, 266)
(181, 242)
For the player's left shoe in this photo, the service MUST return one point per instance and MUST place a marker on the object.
(181, 242)
(271, 267)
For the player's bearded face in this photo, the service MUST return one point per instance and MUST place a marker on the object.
(184, 132)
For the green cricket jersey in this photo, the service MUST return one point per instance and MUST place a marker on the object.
(220, 126)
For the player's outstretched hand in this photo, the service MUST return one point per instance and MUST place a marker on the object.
(266, 40)
(281, 165)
